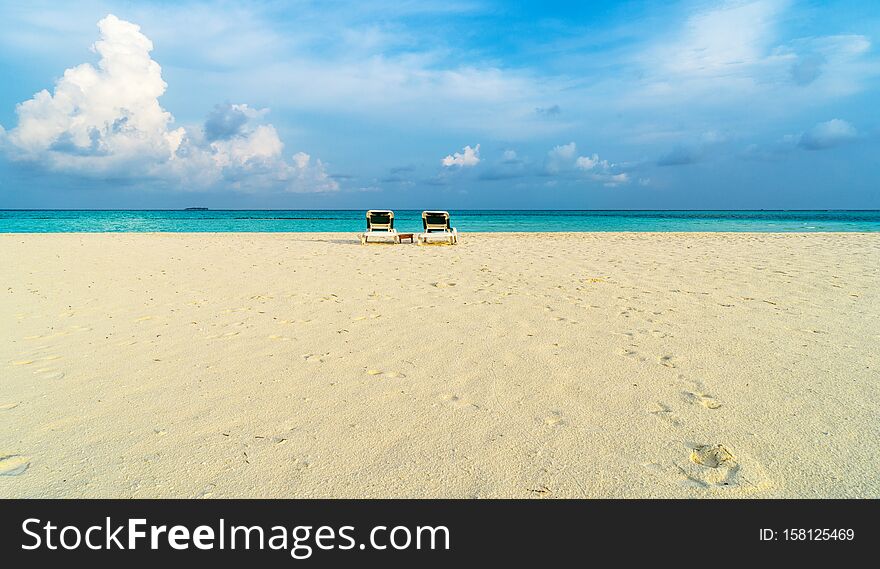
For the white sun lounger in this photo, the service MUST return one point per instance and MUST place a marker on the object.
(436, 228)
(380, 224)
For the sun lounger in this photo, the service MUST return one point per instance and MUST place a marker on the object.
(436, 228)
(380, 224)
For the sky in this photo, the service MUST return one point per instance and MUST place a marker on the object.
(742, 104)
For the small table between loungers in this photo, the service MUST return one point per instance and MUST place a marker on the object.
(403, 236)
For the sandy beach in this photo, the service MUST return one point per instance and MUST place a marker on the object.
(509, 366)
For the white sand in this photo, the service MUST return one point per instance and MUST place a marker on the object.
(565, 365)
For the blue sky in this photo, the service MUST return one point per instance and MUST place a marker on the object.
(472, 104)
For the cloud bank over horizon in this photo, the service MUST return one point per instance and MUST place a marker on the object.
(107, 121)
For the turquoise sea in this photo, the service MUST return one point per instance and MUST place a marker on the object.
(64, 221)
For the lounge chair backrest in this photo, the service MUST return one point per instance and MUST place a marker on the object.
(380, 219)
(435, 221)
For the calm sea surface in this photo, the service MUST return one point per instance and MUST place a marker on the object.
(64, 221)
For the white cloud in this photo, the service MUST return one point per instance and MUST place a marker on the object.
(592, 163)
(226, 121)
(468, 157)
(563, 151)
(727, 52)
(828, 134)
(613, 180)
(734, 56)
(560, 157)
(307, 176)
(103, 115)
(719, 41)
(107, 120)
(563, 159)
(587, 162)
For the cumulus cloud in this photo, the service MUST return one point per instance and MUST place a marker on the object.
(564, 159)
(591, 163)
(563, 151)
(101, 116)
(107, 120)
(306, 175)
(612, 180)
(468, 157)
(228, 120)
(828, 135)
(560, 157)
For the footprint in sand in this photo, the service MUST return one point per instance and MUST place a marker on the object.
(49, 373)
(713, 456)
(715, 466)
(703, 399)
(442, 285)
(388, 374)
(14, 464)
(667, 361)
(710, 466)
(315, 358)
(632, 354)
(8, 406)
(664, 412)
(22, 362)
(554, 419)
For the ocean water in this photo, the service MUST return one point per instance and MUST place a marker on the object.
(64, 221)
